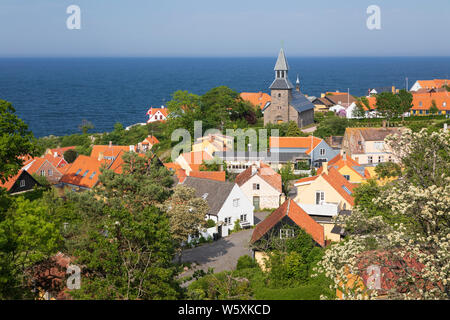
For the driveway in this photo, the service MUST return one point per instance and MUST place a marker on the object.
(222, 254)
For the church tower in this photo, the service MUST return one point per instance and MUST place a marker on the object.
(281, 93)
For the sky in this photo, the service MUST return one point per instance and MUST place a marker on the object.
(217, 28)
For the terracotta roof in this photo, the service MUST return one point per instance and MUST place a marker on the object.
(107, 151)
(295, 142)
(256, 98)
(339, 162)
(435, 83)
(177, 170)
(34, 166)
(339, 183)
(57, 162)
(265, 172)
(81, 172)
(307, 179)
(59, 151)
(423, 101)
(11, 181)
(211, 175)
(195, 159)
(292, 210)
(150, 140)
(152, 111)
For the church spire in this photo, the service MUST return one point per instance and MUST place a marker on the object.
(297, 84)
(281, 73)
(282, 64)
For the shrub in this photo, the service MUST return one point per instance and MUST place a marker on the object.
(246, 262)
(70, 156)
(210, 223)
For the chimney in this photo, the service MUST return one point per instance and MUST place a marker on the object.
(325, 167)
(100, 156)
(322, 95)
(55, 154)
(110, 144)
(131, 148)
(254, 169)
(384, 124)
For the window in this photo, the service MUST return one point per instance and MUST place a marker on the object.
(286, 233)
(390, 158)
(78, 172)
(92, 175)
(256, 186)
(320, 197)
(227, 221)
(420, 103)
(85, 173)
(370, 159)
(322, 152)
(379, 145)
(279, 95)
(236, 203)
(380, 158)
(243, 218)
(346, 190)
(346, 176)
(43, 173)
(22, 183)
(444, 104)
(50, 172)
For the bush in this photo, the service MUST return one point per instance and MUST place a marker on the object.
(210, 223)
(246, 262)
(70, 155)
(308, 292)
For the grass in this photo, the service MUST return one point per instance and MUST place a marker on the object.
(307, 292)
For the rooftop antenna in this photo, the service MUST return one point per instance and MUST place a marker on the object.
(406, 84)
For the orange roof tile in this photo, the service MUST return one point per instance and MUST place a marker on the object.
(81, 172)
(211, 175)
(59, 151)
(57, 162)
(435, 83)
(295, 142)
(292, 210)
(423, 101)
(259, 99)
(196, 158)
(338, 182)
(307, 179)
(107, 151)
(265, 172)
(34, 166)
(150, 140)
(339, 162)
(11, 181)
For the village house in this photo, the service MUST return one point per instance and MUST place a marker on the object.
(262, 185)
(279, 224)
(430, 84)
(422, 103)
(59, 152)
(374, 91)
(303, 149)
(157, 114)
(347, 167)
(213, 143)
(146, 144)
(257, 99)
(191, 161)
(328, 187)
(19, 183)
(287, 104)
(227, 203)
(43, 167)
(57, 161)
(366, 145)
(329, 100)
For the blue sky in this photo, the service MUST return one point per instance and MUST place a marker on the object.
(224, 28)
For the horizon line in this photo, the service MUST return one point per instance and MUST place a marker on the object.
(214, 57)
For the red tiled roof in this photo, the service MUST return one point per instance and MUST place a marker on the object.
(290, 209)
(57, 162)
(306, 179)
(59, 151)
(339, 162)
(295, 142)
(423, 101)
(196, 158)
(107, 151)
(435, 83)
(337, 181)
(35, 165)
(74, 174)
(265, 172)
(11, 181)
(150, 140)
(152, 111)
(259, 99)
(211, 175)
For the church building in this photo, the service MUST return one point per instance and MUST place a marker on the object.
(287, 103)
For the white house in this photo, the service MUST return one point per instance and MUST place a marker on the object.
(262, 185)
(227, 203)
(157, 114)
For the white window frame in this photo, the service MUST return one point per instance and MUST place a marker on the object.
(256, 186)
(322, 196)
(369, 159)
(243, 217)
(286, 233)
(236, 202)
(322, 151)
(22, 183)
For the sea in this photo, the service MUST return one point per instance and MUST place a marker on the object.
(54, 95)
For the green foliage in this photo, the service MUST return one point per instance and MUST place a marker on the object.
(332, 125)
(85, 126)
(70, 155)
(433, 109)
(15, 141)
(388, 170)
(237, 225)
(294, 131)
(42, 180)
(28, 235)
(392, 105)
(246, 262)
(287, 175)
(359, 111)
(210, 223)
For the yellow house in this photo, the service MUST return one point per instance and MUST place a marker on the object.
(347, 167)
(213, 143)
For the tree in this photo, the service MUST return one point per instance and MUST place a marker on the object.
(186, 214)
(70, 155)
(433, 109)
(332, 125)
(16, 141)
(287, 175)
(121, 237)
(388, 170)
(28, 235)
(362, 104)
(392, 105)
(414, 252)
(85, 126)
(294, 131)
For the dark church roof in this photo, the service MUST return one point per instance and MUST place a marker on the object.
(300, 102)
(281, 84)
(282, 63)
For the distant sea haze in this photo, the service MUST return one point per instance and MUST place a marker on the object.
(53, 95)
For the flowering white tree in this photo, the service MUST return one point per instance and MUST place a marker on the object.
(413, 259)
